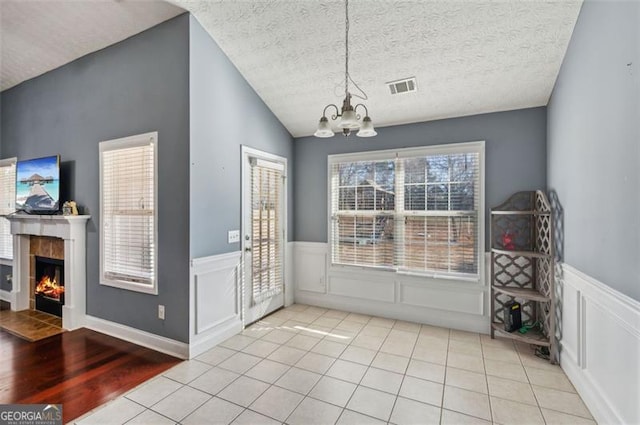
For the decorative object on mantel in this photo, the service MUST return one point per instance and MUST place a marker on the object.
(348, 117)
(70, 208)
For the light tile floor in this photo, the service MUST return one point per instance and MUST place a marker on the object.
(307, 365)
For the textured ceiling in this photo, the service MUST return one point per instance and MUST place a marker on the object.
(38, 36)
(469, 57)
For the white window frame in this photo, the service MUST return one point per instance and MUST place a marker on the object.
(123, 143)
(452, 148)
(4, 163)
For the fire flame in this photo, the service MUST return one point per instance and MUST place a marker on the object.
(49, 287)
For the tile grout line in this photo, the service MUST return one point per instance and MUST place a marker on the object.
(363, 375)
(486, 380)
(321, 375)
(148, 408)
(535, 397)
(405, 370)
(444, 383)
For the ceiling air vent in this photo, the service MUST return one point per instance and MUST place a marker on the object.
(406, 85)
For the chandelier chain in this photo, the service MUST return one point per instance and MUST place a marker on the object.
(349, 118)
(346, 48)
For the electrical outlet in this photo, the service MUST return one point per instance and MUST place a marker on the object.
(160, 312)
(234, 236)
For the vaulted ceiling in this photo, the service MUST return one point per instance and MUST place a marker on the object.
(37, 36)
(468, 56)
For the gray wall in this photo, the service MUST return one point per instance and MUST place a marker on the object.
(594, 144)
(225, 114)
(515, 158)
(136, 86)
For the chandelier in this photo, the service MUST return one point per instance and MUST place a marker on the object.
(349, 119)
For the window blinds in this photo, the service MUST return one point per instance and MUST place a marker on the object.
(363, 205)
(266, 229)
(415, 213)
(128, 212)
(440, 213)
(7, 206)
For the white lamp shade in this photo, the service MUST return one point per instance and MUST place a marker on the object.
(349, 120)
(324, 129)
(366, 130)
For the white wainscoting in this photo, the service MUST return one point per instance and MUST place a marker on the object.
(458, 305)
(600, 346)
(288, 274)
(215, 309)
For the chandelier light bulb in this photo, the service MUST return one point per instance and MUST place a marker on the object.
(349, 120)
(366, 130)
(324, 129)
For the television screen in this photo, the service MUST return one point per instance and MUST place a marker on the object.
(38, 185)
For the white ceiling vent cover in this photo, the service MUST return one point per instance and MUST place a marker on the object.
(406, 85)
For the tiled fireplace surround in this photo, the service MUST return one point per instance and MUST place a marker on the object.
(42, 246)
(58, 237)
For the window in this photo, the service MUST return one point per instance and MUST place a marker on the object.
(7, 205)
(411, 210)
(128, 253)
(267, 180)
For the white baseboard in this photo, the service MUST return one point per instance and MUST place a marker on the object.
(600, 346)
(136, 336)
(5, 295)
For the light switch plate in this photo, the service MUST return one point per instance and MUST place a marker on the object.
(234, 236)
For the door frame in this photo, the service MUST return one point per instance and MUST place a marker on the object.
(246, 152)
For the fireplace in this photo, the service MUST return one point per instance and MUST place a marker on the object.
(62, 237)
(49, 285)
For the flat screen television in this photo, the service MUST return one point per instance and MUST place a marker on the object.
(38, 185)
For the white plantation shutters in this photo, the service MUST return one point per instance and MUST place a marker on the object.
(413, 210)
(7, 205)
(266, 229)
(128, 213)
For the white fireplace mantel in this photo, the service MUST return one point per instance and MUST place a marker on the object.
(70, 228)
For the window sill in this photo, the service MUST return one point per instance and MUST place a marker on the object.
(6, 262)
(387, 273)
(131, 286)
(438, 276)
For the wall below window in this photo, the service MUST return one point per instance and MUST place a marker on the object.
(136, 86)
(515, 153)
(440, 302)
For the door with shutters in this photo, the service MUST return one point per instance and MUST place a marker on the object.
(263, 233)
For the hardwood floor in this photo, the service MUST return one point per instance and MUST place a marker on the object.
(81, 369)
